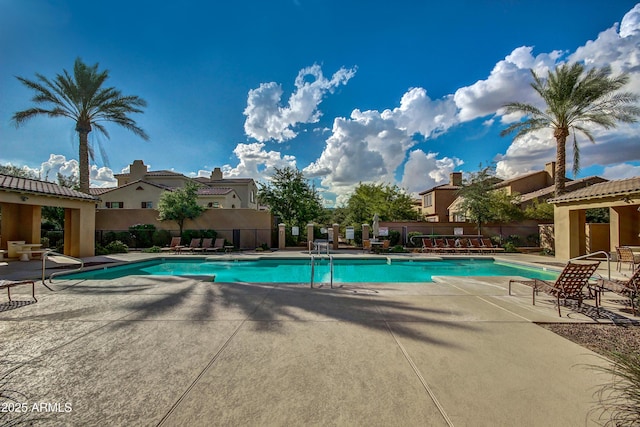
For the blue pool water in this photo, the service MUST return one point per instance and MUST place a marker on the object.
(381, 270)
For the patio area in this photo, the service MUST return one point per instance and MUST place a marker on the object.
(177, 351)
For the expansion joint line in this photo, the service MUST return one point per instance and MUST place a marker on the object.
(419, 375)
(211, 362)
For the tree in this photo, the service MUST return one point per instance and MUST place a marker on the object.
(55, 215)
(574, 100)
(180, 205)
(389, 201)
(539, 210)
(16, 171)
(291, 198)
(82, 98)
(481, 203)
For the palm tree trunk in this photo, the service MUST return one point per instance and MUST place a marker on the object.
(561, 159)
(84, 161)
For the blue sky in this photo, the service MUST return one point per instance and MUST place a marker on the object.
(347, 91)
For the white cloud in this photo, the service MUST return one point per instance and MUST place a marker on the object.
(268, 120)
(257, 163)
(509, 81)
(57, 163)
(102, 177)
(620, 50)
(371, 146)
(424, 170)
(621, 171)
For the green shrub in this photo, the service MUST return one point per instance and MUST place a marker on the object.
(152, 250)
(161, 238)
(394, 237)
(115, 247)
(418, 242)
(45, 242)
(509, 247)
(397, 249)
(142, 234)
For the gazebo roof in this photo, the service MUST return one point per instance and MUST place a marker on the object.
(620, 187)
(34, 186)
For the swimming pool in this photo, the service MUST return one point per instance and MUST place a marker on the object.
(287, 270)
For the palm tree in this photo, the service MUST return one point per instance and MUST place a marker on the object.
(82, 98)
(574, 99)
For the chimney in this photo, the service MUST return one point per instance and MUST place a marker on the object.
(550, 169)
(216, 174)
(455, 178)
(137, 170)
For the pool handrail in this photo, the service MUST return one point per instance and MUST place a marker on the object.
(313, 265)
(331, 269)
(56, 273)
(313, 261)
(605, 253)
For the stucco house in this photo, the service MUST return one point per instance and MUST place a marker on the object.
(141, 189)
(537, 185)
(231, 204)
(436, 200)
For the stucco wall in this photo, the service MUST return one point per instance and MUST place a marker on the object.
(255, 226)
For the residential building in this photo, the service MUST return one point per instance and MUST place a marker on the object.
(436, 200)
(141, 189)
(533, 186)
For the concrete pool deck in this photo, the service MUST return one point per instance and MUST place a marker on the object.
(177, 351)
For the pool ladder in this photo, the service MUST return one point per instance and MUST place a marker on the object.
(313, 265)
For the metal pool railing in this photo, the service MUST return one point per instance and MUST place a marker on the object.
(55, 273)
(313, 265)
(606, 254)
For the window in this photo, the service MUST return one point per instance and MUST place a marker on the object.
(114, 205)
(428, 199)
(252, 196)
(146, 205)
(459, 217)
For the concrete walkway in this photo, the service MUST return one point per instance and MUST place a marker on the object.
(176, 351)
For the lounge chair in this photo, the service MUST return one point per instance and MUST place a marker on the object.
(206, 245)
(625, 255)
(218, 245)
(366, 246)
(442, 246)
(569, 285)
(476, 245)
(487, 243)
(427, 245)
(174, 245)
(8, 284)
(194, 245)
(627, 288)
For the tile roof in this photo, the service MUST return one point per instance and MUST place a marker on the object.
(441, 187)
(569, 186)
(34, 186)
(620, 187)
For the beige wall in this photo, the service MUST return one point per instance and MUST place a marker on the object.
(21, 220)
(222, 220)
(597, 236)
(569, 219)
(133, 195)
